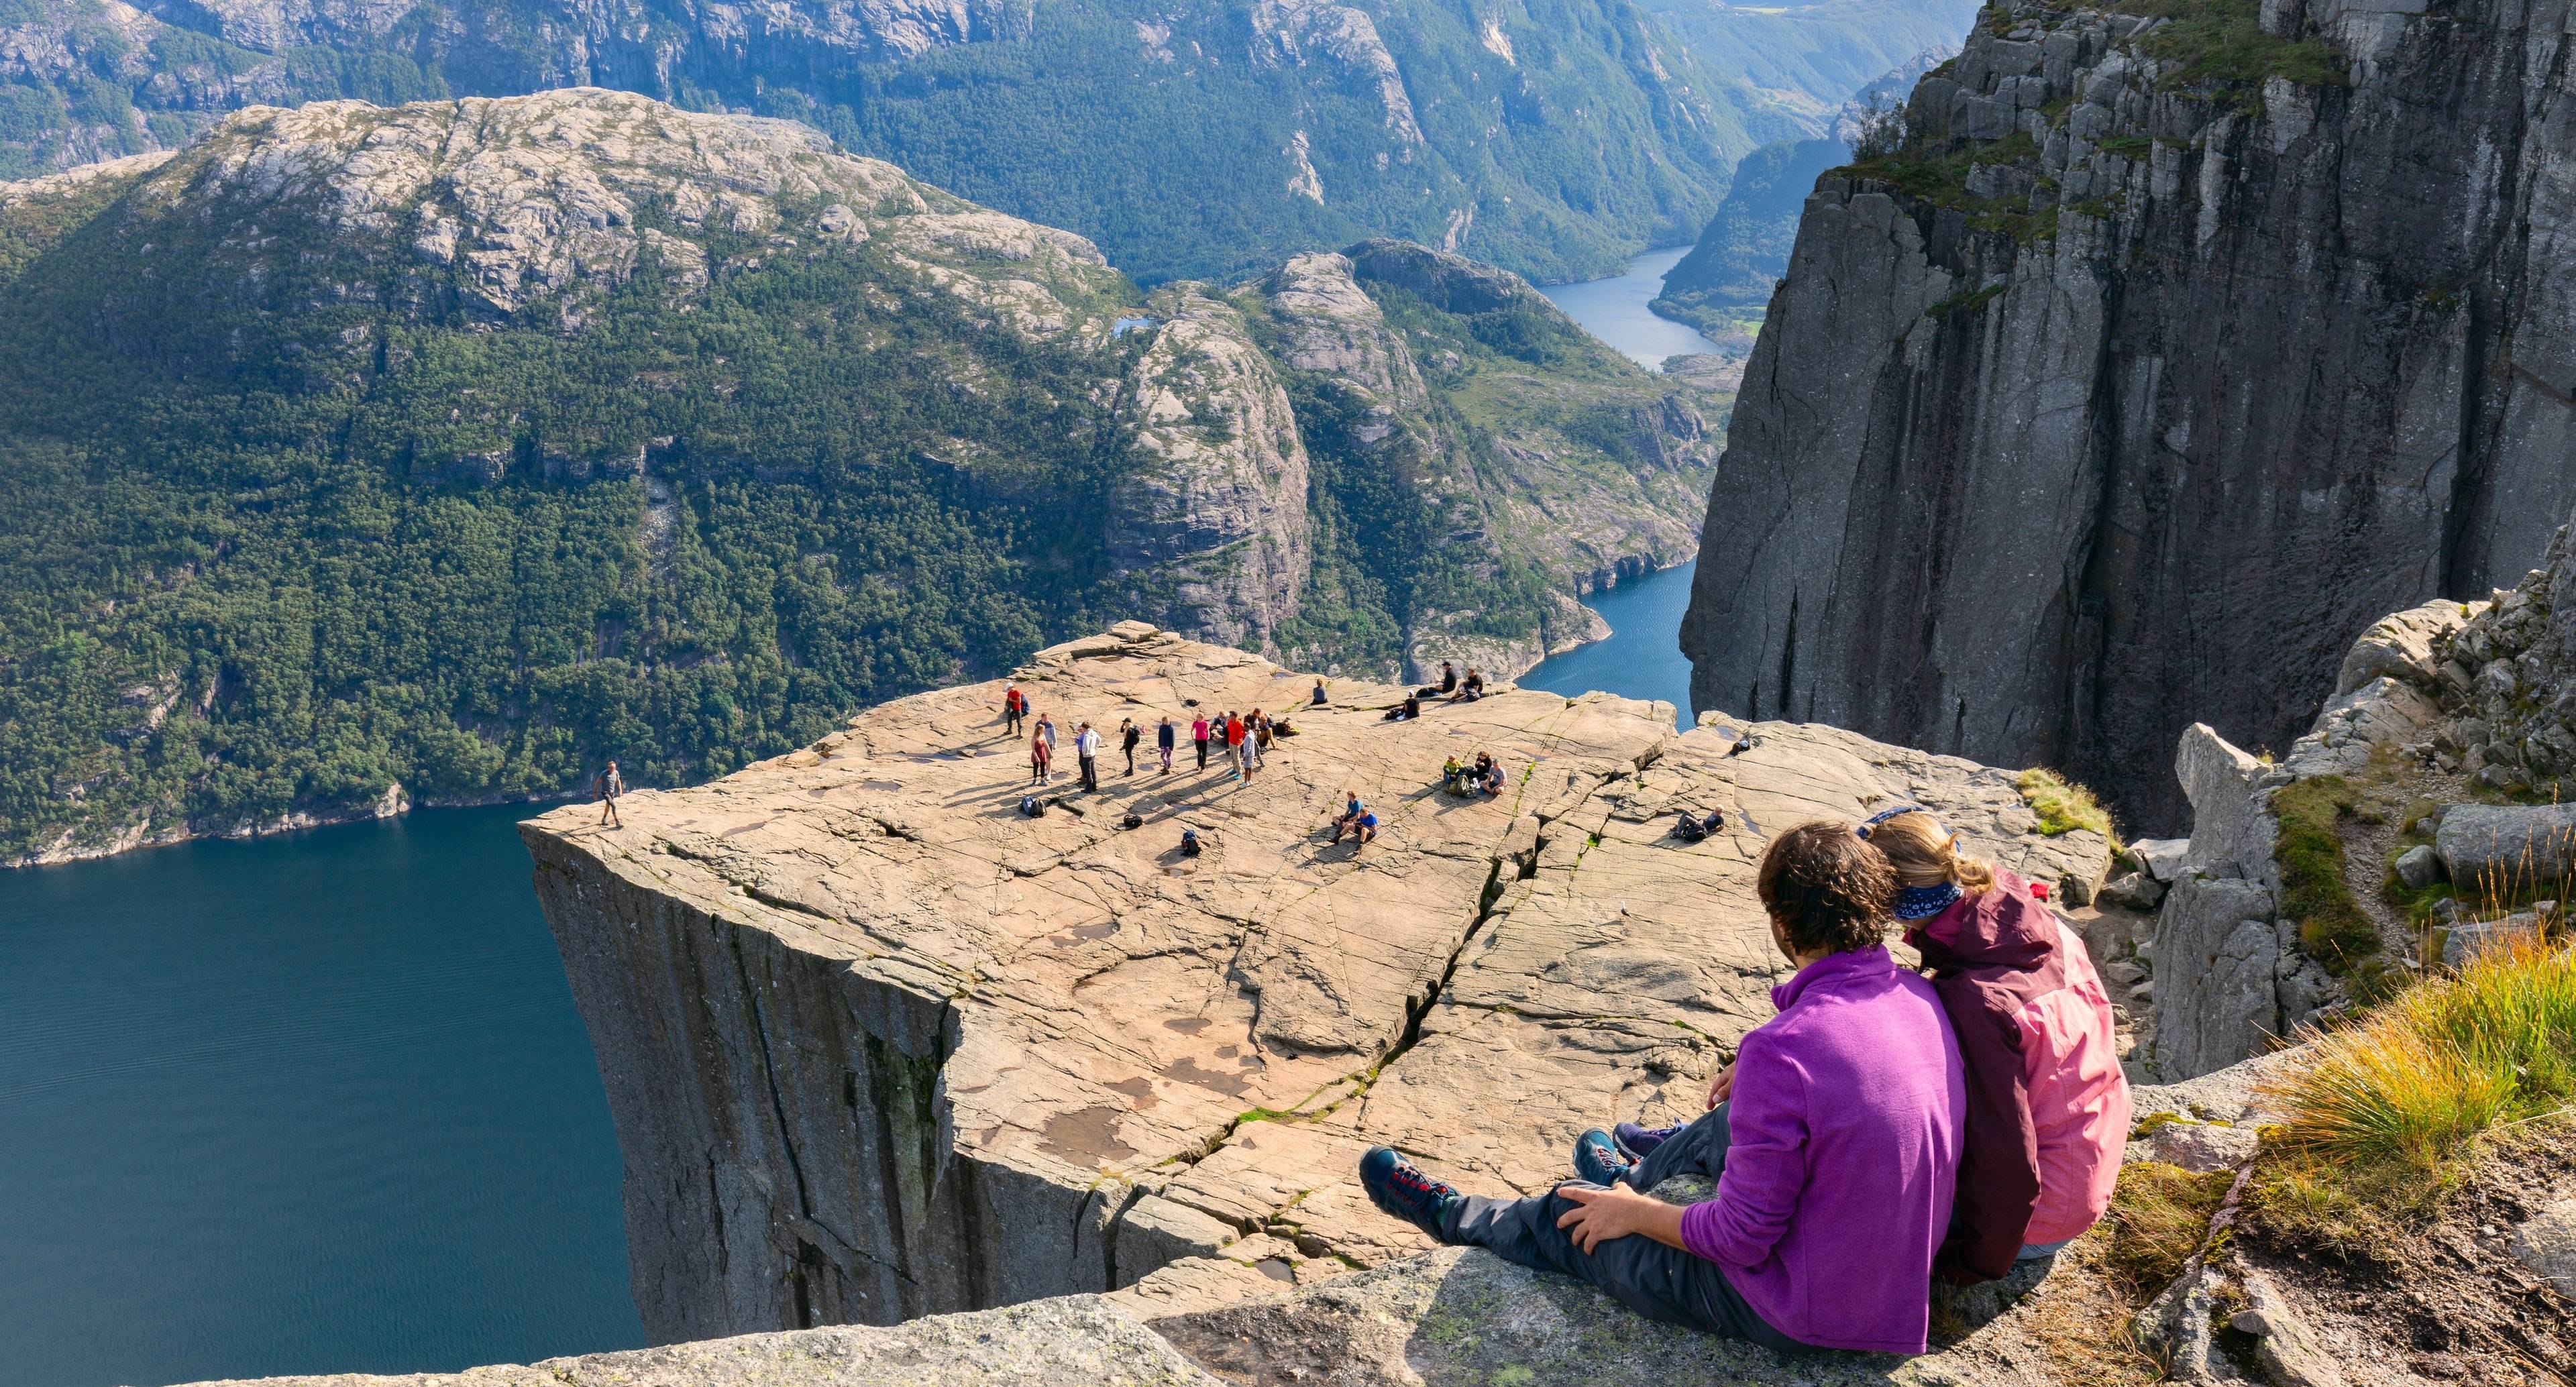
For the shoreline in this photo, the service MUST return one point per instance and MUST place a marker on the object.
(139, 840)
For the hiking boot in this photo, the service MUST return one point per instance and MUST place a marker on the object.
(1598, 1160)
(1398, 1187)
(1635, 1141)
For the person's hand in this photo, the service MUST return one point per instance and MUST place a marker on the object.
(1605, 1215)
(1722, 1086)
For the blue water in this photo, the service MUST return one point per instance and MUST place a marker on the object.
(1642, 657)
(310, 1103)
(1615, 311)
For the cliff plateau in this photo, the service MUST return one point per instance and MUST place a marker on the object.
(435, 453)
(2164, 352)
(879, 1046)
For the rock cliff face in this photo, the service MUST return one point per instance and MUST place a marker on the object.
(2159, 359)
(744, 426)
(878, 1046)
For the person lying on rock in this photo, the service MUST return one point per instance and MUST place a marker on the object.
(2048, 1108)
(1834, 1139)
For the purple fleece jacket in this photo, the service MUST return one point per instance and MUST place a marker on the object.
(1846, 1119)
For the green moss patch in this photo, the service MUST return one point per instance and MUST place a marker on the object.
(2333, 928)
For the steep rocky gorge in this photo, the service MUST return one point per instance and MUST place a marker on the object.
(2164, 353)
(879, 1047)
(437, 452)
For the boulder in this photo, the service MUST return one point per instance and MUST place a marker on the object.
(2464, 943)
(2133, 891)
(2289, 1349)
(2160, 858)
(2403, 646)
(2419, 867)
(2507, 849)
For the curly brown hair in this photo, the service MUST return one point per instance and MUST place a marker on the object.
(1827, 889)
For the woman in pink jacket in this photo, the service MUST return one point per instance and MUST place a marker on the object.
(2048, 1108)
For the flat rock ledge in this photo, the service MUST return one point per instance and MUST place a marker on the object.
(879, 1047)
(1448, 1318)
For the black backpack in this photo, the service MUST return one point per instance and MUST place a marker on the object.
(1030, 808)
(1189, 842)
(1132, 821)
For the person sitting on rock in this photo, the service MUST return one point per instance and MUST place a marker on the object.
(1349, 818)
(1453, 776)
(1411, 707)
(1834, 1140)
(1489, 774)
(2048, 1108)
(1320, 695)
(1472, 689)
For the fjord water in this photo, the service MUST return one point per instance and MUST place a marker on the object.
(317, 1102)
(1642, 657)
(321, 1102)
(1615, 311)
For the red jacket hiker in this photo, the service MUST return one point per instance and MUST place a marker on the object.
(2048, 1108)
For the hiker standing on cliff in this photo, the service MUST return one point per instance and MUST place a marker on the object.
(1041, 758)
(1199, 734)
(1086, 752)
(1129, 734)
(1015, 709)
(608, 786)
(1165, 738)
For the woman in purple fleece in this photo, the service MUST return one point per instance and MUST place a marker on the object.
(1836, 1147)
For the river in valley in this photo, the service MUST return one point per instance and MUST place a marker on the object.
(321, 1102)
(1615, 311)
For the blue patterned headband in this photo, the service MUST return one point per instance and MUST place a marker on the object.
(1883, 816)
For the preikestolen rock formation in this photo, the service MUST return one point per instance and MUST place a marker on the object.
(2145, 373)
(879, 1046)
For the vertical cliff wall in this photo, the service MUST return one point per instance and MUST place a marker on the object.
(2158, 359)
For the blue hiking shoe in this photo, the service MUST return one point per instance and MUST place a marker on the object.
(1398, 1187)
(1636, 1141)
(1598, 1160)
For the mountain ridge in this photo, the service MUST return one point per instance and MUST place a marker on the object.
(434, 453)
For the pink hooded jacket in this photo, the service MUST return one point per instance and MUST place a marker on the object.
(2048, 1108)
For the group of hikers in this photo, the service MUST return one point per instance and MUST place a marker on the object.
(1485, 777)
(1244, 739)
(1450, 688)
(1883, 1129)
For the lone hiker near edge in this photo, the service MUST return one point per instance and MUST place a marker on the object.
(608, 786)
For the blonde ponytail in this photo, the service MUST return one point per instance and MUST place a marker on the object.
(1926, 854)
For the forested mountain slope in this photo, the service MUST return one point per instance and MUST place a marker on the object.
(442, 451)
(1551, 136)
(2171, 347)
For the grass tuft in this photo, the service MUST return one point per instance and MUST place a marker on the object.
(2158, 1215)
(2064, 806)
(2421, 1077)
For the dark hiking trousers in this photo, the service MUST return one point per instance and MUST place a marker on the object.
(1658, 1282)
(1091, 773)
(1202, 753)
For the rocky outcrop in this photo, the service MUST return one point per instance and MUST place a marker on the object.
(878, 1046)
(2232, 977)
(2142, 375)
